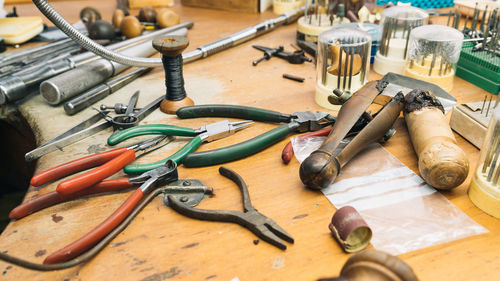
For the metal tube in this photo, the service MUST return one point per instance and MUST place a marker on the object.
(101, 91)
(71, 83)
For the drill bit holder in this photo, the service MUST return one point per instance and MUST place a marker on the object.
(319, 17)
(484, 190)
(433, 53)
(397, 24)
(342, 65)
(282, 6)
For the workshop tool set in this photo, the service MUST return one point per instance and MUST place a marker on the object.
(403, 43)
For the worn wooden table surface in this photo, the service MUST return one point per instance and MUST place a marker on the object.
(161, 244)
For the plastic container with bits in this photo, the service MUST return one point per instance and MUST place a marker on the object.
(397, 23)
(342, 63)
(484, 189)
(433, 53)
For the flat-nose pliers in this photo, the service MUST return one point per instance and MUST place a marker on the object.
(206, 133)
(297, 122)
(262, 226)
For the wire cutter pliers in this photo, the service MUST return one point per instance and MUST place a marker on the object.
(148, 181)
(111, 162)
(297, 122)
(206, 133)
(262, 226)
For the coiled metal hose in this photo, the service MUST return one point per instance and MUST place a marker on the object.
(87, 43)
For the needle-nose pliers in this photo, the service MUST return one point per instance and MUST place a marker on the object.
(297, 122)
(206, 133)
(262, 226)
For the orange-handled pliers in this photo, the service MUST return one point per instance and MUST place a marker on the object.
(148, 181)
(111, 162)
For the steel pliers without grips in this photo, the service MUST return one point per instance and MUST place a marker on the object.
(206, 133)
(298, 122)
(262, 226)
(110, 163)
(148, 181)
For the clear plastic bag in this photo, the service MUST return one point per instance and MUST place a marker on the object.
(404, 212)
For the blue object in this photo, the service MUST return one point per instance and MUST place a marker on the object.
(374, 30)
(423, 4)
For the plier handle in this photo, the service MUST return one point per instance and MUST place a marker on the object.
(206, 133)
(107, 163)
(148, 181)
(296, 122)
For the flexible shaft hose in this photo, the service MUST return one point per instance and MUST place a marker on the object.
(87, 43)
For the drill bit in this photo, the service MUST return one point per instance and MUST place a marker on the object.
(406, 28)
(474, 21)
(433, 60)
(464, 29)
(489, 104)
(339, 67)
(484, 102)
(483, 19)
(350, 67)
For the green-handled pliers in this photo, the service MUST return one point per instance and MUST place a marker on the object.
(206, 133)
(298, 122)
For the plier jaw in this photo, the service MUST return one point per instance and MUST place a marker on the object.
(157, 177)
(222, 129)
(309, 121)
(151, 144)
(262, 226)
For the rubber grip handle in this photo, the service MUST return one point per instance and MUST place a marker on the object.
(53, 198)
(287, 153)
(96, 175)
(97, 234)
(153, 129)
(233, 111)
(177, 157)
(237, 151)
(74, 166)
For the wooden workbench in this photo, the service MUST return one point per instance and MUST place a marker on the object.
(161, 244)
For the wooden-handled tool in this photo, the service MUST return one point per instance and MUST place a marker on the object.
(311, 170)
(374, 131)
(441, 163)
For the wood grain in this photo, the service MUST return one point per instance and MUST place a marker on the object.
(161, 244)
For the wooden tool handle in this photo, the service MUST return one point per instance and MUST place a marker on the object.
(441, 163)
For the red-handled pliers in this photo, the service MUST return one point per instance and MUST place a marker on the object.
(111, 162)
(148, 181)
